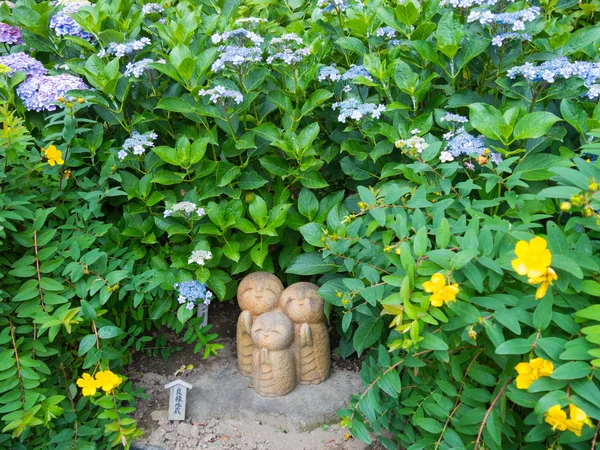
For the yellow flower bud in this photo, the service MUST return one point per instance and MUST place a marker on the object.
(387, 249)
(593, 187)
(397, 251)
(576, 200)
(80, 100)
(565, 206)
(588, 212)
(362, 205)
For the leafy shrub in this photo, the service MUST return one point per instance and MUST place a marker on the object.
(147, 145)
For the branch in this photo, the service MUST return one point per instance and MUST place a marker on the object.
(489, 411)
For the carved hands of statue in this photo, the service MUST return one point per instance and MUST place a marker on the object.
(264, 356)
(247, 321)
(306, 339)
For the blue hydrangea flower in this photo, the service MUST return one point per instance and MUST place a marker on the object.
(125, 48)
(461, 143)
(287, 49)
(467, 3)
(137, 68)
(63, 23)
(193, 292)
(356, 71)
(354, 109)
(152, 8)
(42, 92)
(499, 39)
(220, 94)
(236, 56)
(137, 144)
(329, 72)
(516, 20)
(23, 63)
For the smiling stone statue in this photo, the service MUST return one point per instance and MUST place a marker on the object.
(257, 294)
(282, 337)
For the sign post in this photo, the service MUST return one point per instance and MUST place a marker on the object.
(177, 396)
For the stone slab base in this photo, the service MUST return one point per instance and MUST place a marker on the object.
(221, 392)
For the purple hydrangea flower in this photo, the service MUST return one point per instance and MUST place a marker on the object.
(220, 94)
(42, 92)
(150, 8)
(10, 35)
(23, 62)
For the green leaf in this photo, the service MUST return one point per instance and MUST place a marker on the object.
(109, 332)
(462, 258)
(514, 347)
(86, 344)
(442, 236)
(432, 342)
(534, 125)
(311, 264)
(368, 332)
(488, 121)
(572, 371)
(543, 313)
(167, 177)
(429, 425)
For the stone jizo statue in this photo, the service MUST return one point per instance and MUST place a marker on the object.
(257, 294)
(273, 366)
(282, 337)
(305, 308)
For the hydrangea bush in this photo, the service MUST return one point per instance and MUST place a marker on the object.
(432, 165)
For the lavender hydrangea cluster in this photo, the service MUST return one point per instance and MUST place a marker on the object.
(222, 95)
(193, 293)
(561, 67)
(10, 35)
(234, 52)
(356, 71)
(330, 73)
(120, 50)
(137, 68)
(137, 143)
(516, 20)
(186, 209)
(451, 117)
(252, 21)
(152, 8)
(63, 23)
(42, 92)
(467, 3)
(499, 39)
(334, 6)
(462, 143)
(354, 109)
(21, 62)
(288, 49)
(199, 257)
(389, 34)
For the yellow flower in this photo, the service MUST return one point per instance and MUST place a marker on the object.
(531, 371)
(107, 380)
(579, 415)
(557, 418)
(440, 292)
(533, 258)
(472, 334)
(546, 280)
(53, 155)
(87, 385)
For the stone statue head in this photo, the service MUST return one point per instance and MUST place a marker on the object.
(259, 292)
(273, 331)
(301, 303)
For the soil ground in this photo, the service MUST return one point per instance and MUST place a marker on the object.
(152, 372)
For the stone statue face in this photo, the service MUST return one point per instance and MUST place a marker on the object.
(301, 303)
(273, 331)
(259, 292)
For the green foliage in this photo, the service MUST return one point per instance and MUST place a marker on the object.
(365, 204)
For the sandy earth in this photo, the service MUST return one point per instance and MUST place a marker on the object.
(152, 373)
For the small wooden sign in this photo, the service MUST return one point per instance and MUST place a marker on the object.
(177, 396)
